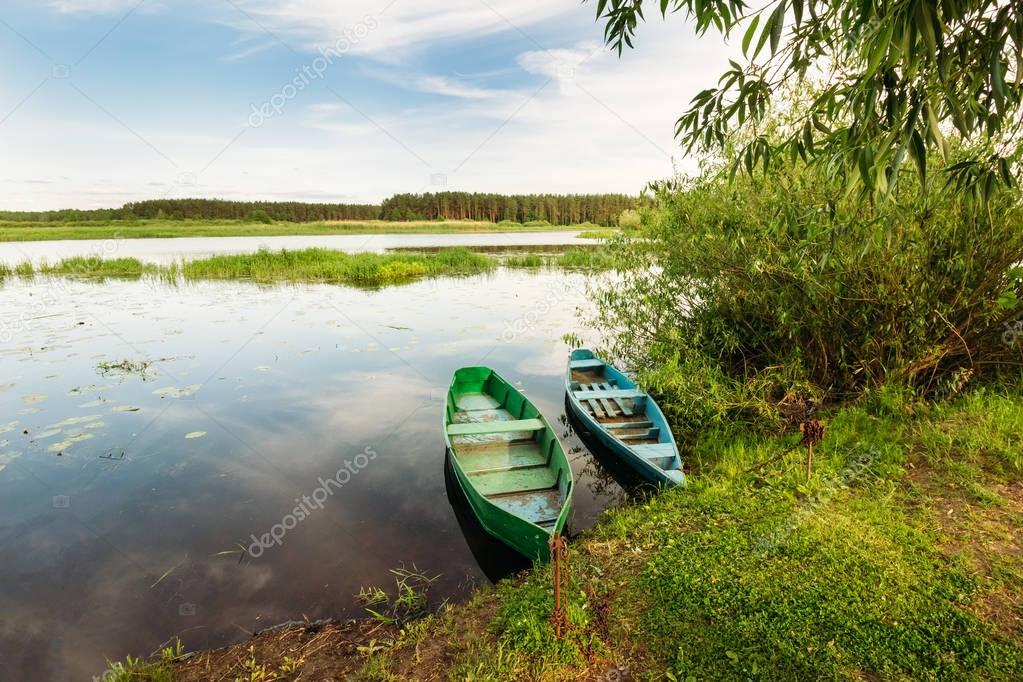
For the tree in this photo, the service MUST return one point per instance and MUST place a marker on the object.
(891, 79)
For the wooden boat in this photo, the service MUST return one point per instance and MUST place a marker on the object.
(507, 460)
(622, 418)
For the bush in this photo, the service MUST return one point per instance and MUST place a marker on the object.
(786, 290)
(630, 220)
(258, 215)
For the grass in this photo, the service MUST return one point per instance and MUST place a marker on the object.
(324, 265)
(608, 233)
(145, 229)
(583, 259)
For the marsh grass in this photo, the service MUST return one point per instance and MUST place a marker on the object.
(324, 265)
(92, 266)
(571, 259)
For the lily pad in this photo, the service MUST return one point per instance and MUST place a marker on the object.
(9, 426)
(174, 392)
(195, 434)
(65, 444)
(71, 421)
(125, 408)
(33, 398)
(93, 403)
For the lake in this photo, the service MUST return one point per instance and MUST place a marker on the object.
(129, 491)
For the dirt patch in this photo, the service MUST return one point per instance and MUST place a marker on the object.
(988, 536)
(325, 650)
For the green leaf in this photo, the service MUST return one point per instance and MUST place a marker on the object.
(998, 75)
(919, 153)
(750, 32)
(777, 23)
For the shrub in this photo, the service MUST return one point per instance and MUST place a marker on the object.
(630, 220)
(786, 289)
(258, 215)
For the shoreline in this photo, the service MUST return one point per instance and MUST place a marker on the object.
(169, 229)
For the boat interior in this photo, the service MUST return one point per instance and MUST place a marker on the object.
(504, 448)
(621, 408)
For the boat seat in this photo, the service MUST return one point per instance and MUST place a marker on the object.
(612, 394)
(586, 364)
(630, 425)
(481, 428)
(655, 451)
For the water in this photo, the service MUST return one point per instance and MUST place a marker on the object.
(165, 251)
(123, 507)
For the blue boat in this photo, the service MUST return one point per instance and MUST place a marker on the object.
(623, 418)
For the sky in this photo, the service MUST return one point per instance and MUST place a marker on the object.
(108, 101)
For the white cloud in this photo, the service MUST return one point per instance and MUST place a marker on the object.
(440, 85)
(389, 29)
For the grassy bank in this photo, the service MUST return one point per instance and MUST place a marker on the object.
(900, 558)
(146, 229)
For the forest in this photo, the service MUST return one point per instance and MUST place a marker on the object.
(556, 209)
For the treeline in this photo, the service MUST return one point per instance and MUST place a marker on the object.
(557, 209)
(218, 209)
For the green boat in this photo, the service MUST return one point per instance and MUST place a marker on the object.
(507, 460)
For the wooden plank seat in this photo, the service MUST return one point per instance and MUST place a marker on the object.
(665, 452)
(612, 394)
(481, 428)
(586, 364)
(630, 425)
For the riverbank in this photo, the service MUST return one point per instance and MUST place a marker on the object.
(152, 229)
(900, 557)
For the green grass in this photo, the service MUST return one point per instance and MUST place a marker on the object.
(86, 266)
(143, 229)
(583, 259)
(323, 265)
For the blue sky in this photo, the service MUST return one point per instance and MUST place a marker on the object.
(107, 101)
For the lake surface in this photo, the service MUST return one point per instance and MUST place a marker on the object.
(123, 507)
(165, 251)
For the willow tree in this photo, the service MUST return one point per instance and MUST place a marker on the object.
(891, 81)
